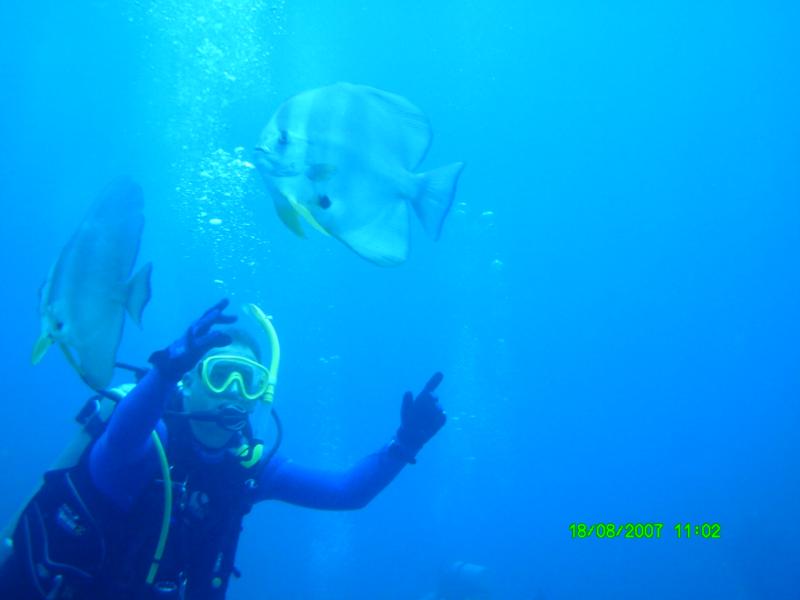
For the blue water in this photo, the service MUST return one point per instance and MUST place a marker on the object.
(614, 300)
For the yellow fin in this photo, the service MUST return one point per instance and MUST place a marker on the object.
(75, 365)
(40, 348)
(287, 213)
(306, 214)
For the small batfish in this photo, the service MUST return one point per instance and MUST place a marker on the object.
(84, 298)
(343, 157)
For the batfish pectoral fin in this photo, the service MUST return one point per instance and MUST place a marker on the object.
(287, 213)
(71, 360)
(138, 293)
(320, 172)
(41, 347)
(95, 380)
(435, 197)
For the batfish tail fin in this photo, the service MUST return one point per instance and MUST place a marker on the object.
(437, 190)
(138, 293)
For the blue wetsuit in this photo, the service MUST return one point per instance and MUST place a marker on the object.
(90, 531)
(124, 461)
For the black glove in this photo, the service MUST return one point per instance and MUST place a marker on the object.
(420, 419)
(184, 353)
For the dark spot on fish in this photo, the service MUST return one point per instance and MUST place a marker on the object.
(59, 326)
(283, 137)
(324, 201)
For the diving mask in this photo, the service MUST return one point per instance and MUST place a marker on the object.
(221, 371)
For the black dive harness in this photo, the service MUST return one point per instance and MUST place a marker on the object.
(72, 543)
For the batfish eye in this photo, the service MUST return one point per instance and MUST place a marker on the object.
(283, 137)
(59, 326)
(324, 201)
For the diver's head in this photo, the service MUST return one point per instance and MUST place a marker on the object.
(224, 389)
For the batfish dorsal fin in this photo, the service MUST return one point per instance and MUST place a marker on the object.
(395, 125)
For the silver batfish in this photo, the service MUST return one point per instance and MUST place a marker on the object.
(83, 301)
(343, 157)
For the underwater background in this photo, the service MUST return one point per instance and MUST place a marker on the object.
(614, 300)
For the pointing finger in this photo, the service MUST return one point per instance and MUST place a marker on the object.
(433, 382)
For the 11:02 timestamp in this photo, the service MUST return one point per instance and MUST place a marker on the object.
(643, 530)
(706, 530)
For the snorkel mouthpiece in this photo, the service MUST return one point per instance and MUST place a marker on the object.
(227, 416)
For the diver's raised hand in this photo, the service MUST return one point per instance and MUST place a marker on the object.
(420, 419)
(183, 354)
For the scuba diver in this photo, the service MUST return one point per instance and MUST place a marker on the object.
(153, 507)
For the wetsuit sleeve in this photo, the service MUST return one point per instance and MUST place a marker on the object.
(123, 459)
(350, 489)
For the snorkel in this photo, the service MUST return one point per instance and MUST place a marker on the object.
(251, 454)
(275, 355)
